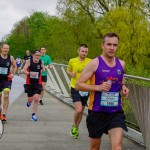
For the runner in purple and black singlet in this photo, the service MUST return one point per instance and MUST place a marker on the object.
(106, 74)
(102, 74)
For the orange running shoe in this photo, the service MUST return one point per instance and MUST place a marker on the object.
(0, 116)
(3, 117)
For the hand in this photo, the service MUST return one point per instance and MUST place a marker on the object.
(51, 66)
(11, 75)
(105, 87)
(73, 74)
(46, 67)
(125, 91)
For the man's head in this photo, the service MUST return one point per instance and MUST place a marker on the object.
(110, 44)
(5, 49)
(36, 55)
(27, 52)
(43, 51)
(83, 51)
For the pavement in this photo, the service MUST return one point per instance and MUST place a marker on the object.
(51, 131)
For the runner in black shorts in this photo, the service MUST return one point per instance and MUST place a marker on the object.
(6, 76)
(74, 69)
(33, 87)
(107, 86)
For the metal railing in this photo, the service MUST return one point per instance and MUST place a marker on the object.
(58, 83)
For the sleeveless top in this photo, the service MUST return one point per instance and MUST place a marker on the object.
(5, 69)
(34, 67)
(107, 101)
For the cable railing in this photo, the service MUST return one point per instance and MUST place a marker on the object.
(136, 107)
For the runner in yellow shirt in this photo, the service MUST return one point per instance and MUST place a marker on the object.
(74, 69)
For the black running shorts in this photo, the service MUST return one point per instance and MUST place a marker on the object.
(100, 122)
(5, 85)
(77, 97)
(44, 78)
(32, 89)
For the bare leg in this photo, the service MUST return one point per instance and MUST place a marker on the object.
(78, 113)
(35, 103)
(6, 102)
(95, 143)
(30, 99)
(116, 135)
(42, 93)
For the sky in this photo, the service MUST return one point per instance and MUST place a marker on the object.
(12, 11)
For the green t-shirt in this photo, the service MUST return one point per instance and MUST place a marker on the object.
(47, 60)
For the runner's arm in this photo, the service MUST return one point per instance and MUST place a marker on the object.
(87, 74)
(14, 66)
(125, 90)
(43, 67)
(26, 66)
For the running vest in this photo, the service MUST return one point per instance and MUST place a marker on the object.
(5, 69)
(34, 67)
(107, 101)
(18, 61)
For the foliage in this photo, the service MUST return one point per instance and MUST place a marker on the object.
(86, 21)
(129, 18)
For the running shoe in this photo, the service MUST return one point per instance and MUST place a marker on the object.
(28, 104)
(3, 117)
(41, 102)
(34, 118)
(74, 132)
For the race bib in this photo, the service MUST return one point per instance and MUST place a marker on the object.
(3, 70)
(109, 99)
(34, 77)
(83, 94)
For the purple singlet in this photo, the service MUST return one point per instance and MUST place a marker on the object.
(107, 101)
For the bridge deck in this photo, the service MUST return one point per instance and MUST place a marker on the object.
(51, 131)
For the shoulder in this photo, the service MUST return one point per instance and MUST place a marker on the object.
(48, 56)
(122, 63)
(93, 64)
(95, 61)
(73, 59)
(11, 57)
(88, 59)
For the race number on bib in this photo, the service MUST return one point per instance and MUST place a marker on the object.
(83, 94)
(3, 70)
(34, 77)
(109, 99)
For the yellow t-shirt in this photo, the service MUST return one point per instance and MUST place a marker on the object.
(76, 66)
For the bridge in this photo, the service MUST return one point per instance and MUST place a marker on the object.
(55, 118)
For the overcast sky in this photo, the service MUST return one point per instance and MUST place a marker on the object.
(12, 11)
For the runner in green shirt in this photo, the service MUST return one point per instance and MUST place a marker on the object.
(48, 64)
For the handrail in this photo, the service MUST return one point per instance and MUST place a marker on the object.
(137, 77)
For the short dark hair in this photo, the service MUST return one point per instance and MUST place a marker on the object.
(83, 45)
(109, 35)
(35, 51)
